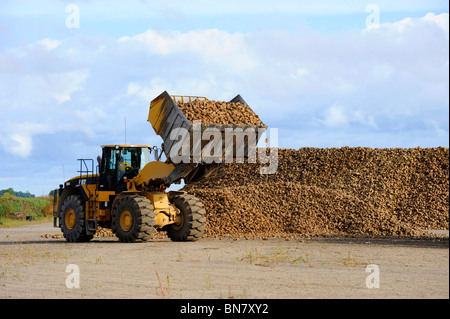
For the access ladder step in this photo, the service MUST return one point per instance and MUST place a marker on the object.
(91, 226)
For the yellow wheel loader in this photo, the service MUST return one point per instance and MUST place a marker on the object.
(126, 191)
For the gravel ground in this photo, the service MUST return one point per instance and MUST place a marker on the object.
(35, 267)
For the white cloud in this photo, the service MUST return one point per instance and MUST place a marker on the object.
(31, 49)
(338, 116)
(65, 84)
(219, 48)
(335, 117)
(28, 89)
(49, 44)
(18, 139)
(360, 118)
(21, 145)
(441, 21)
(133, 88)
(149, 90)
(29, 106)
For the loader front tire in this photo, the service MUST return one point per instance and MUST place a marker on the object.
(133, 219)
(73, 220)
(191, 225)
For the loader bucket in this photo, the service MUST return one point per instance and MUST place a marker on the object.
(168, 121)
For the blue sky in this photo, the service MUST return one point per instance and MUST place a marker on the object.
(323, 73)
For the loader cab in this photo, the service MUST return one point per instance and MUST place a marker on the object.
(120, 163)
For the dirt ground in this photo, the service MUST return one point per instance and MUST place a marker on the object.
(36, 267)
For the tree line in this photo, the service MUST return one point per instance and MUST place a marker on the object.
(11, 191)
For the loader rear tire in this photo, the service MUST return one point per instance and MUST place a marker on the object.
(133, 219)
(192, 222)
(73, 220)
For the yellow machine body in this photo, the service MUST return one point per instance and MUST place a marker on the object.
(98, 203)
(126, 192)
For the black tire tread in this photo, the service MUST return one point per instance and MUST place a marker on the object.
(143, 219)
(196, 219)
(78, 233)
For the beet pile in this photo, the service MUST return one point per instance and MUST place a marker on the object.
(330, 192)
(219, 112)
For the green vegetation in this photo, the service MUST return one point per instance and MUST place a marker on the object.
(18, 194)
(15, 210)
